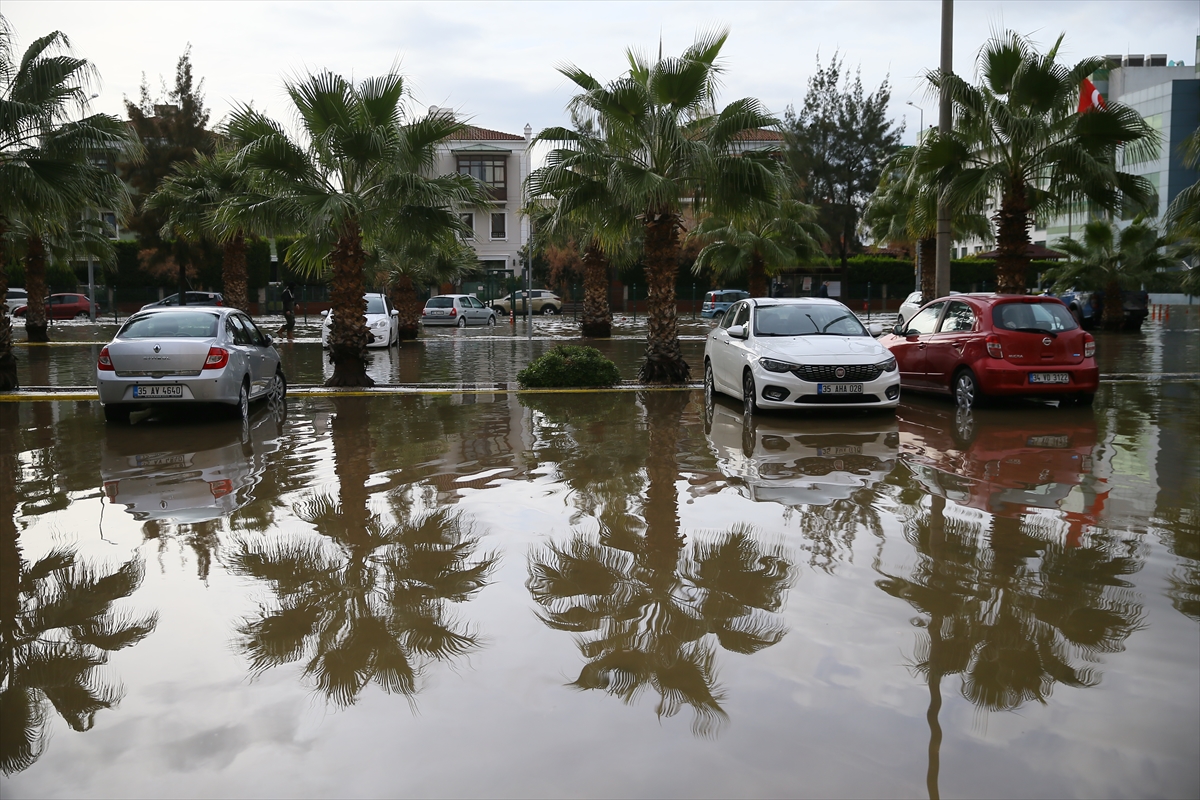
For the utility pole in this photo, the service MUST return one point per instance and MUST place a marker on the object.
(945, 124)
(920, 130)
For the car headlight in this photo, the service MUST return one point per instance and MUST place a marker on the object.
(771, 365)
(382, 323)
(887, 366)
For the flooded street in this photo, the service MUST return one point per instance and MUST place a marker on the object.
(603, 594)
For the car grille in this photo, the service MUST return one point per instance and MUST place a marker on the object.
(820, 372)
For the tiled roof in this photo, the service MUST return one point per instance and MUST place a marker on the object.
(473, 133)
(760, 135)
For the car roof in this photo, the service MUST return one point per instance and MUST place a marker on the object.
(761, 302)
(181, 309)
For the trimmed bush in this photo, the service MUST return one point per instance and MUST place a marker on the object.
(569, 365)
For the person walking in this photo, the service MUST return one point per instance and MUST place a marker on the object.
(824, 290)
(289, 309)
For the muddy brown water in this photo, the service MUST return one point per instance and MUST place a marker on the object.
(613, 594)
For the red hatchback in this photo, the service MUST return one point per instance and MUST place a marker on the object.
(975, 345)
(63, 306)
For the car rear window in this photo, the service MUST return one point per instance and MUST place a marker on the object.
(1033, 317)
(185, 324)
(440, 302)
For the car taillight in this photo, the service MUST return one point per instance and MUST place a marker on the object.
(217, 358)
(994, 348)
(1089, 345)
(104, 363)
(220, 488)
(454, 312)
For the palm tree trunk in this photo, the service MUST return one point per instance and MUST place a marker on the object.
(1113, 317)
(233, 272)
(8, 360)
(597, 316)
(1012, 240)
(758, 276)
(404, 299)
(926, 247)
(664, 542)
(35, 286)
(664, 358)
(348, 334)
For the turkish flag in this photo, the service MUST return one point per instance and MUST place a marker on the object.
(1089, 96)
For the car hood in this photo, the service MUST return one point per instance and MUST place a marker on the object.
(822, 348)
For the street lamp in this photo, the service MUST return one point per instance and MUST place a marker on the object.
(918, 108)
(920, 265)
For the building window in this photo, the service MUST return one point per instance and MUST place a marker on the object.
(110, 219)
(468, 219)
(500, 226)
(492, 172)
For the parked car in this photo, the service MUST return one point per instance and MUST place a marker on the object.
(1088, 307)
(15, 298)
(911, 305)
(974, 345)
(541, 301)
(798, 353)
(458, 310)
(383, 322)
(717, 302)
(63, 306)
(192, 298)
(176, 356)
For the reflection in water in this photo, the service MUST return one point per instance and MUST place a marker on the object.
(57, 627)
(651, 608)
(367, 601)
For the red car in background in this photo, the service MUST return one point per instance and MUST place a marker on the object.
(974, 345)
(63, 306)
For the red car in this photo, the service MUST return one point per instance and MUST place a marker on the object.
(974, 345)
(63, 306)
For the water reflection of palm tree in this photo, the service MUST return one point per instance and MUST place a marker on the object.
(369, 601)
(57, 627)
(650, 608)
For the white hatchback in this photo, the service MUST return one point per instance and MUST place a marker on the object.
(383, 322)
(799, 353)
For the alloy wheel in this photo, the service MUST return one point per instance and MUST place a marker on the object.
(966, 389)
(749, 394)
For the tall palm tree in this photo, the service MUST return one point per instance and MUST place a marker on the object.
(47, 145)
(759, 242)
(1017, 136)
(188, 200)
(356, 177)
(1112, 260)
(1182, 221)
(658, 140)
(424, 262)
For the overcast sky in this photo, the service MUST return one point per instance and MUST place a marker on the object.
(495, 61)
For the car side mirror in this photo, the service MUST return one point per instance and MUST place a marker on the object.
(269, 341)
(395, 312)
(325, 313)
(738, 332)
(898, 330)
(875, 329)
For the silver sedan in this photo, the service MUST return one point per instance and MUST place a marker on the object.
(172, 356)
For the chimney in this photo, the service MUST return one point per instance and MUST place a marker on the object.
(528, 132)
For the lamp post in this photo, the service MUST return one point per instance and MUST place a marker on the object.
(920, 265)
(922, 128)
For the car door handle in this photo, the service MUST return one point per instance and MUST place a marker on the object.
(921, 346)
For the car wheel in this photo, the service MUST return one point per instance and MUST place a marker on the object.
(549, 311)
(491, 320)
(710, 389)
(242, 410)
(278, 387)
(117, 415)
(966, 389)
(717, 315)
(749, 394)
(83, 315)
(462, 322)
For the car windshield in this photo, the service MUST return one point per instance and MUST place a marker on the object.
(375, 305)
(806, 320)
(1033, 317)
(185, 324)
(440, 302)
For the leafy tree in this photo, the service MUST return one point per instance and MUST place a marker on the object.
(1018, 136)
(657, 139)
(1111, 259)
(355, 179)
(837, 145)
(1183, 219)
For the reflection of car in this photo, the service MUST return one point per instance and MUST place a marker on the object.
(717, 302)
(796, 461)
(174, 356)
(15, 298)
(383, 322)
(63, 306)
(192, 298)
(541, 301)
(458, 310)
(194, 474)
(1004, 462)
(975, 345)
(798, 353)
(1088, 307)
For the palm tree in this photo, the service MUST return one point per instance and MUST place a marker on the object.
(759, 242)
(1018, 136)
(46, 165)
(1111, 260)
(189, 199)
(422, 262)
(656, 138)
(356, 178)
(1182, 221)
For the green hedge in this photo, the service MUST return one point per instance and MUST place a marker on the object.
(569, 365)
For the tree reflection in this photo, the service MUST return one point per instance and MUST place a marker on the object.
(366, 601)
(649, 607)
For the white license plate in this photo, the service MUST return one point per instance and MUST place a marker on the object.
(436, 312)
(1049, 377)
(152, 392)
(839, 388)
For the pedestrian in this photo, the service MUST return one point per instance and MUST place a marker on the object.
(824, 290)
(289, 308)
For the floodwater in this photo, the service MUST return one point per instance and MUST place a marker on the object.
(604, 595)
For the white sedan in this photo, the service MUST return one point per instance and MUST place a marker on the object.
(799, 353)
(383, 322)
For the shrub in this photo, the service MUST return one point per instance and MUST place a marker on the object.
(569, 365)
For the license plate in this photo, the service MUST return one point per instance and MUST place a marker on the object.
(1049, 377)
(151, 392)
(839, 388)
(437, 313)
(844, 450)
(1052, 440)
